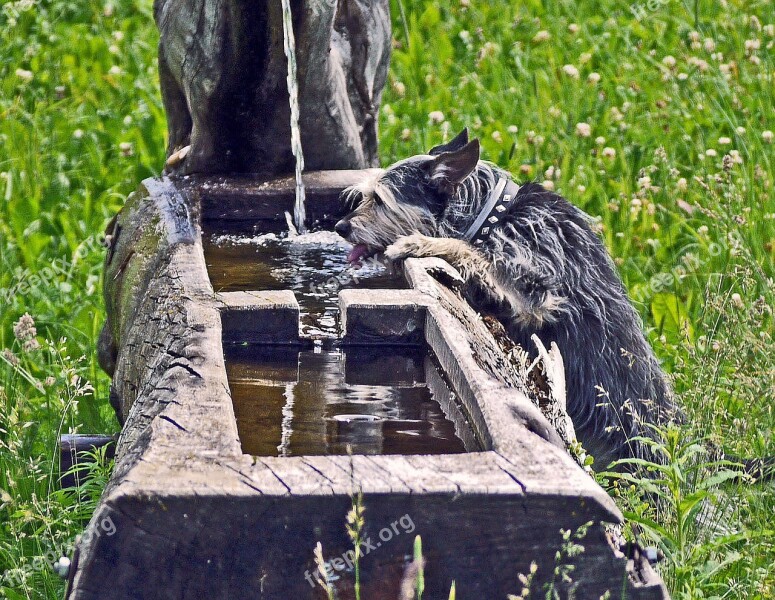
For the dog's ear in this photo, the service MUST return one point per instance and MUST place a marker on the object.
(460, 140)
(449, 169)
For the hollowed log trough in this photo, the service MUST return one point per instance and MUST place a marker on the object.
(195, 517)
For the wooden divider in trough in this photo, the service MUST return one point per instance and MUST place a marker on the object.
(192, 516)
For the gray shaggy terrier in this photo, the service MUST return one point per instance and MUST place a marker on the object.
(530, 258)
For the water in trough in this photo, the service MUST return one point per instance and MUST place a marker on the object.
(322, 398)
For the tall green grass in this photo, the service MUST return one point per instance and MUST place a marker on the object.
(629, 109)
(81, 124)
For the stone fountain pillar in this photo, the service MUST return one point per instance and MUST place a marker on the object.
(223, 80)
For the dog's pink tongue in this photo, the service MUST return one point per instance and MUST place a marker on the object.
(358, 252)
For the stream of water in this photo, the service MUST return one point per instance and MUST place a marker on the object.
(289, 44)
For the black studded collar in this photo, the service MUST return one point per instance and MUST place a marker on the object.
(489, 218)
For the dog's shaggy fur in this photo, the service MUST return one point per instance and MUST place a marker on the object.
(541, 271)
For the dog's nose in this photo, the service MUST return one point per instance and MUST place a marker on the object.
(343, 228)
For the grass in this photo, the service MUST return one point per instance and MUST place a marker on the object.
(629, 109)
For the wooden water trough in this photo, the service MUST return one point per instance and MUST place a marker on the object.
(194, 516)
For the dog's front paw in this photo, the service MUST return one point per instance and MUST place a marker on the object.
(414, 245)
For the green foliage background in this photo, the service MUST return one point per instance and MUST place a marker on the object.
(679, 87)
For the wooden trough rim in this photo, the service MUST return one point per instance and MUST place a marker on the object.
(244, 197)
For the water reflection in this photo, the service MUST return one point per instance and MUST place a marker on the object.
(291, 403)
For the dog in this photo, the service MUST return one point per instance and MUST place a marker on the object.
(532, 260)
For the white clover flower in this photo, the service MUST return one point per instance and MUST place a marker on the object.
(126, 148)
(115, 70)
(724, 141)
(571, 71)
(768, 136)
(644, 182)
(497, 137)
(669, 61)
(541, 36)
(585, 58)
(699, 63)
(694, 36)
(752, 45)
(24, 75)
(709, 44)
(573, 28)
(548, 184)
(118, 35)
(78, 134)
(600, 140)
(740, 130)
(406, 134)
(399, 88)
(711, 152)
(436, 116)
(489, 49)
(770, 30)
(682, 184)
(513, 129)
(583, 130)
(593, 77)
(609, 152)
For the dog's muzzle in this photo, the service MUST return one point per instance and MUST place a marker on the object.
(343, 228)
(360, 251)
